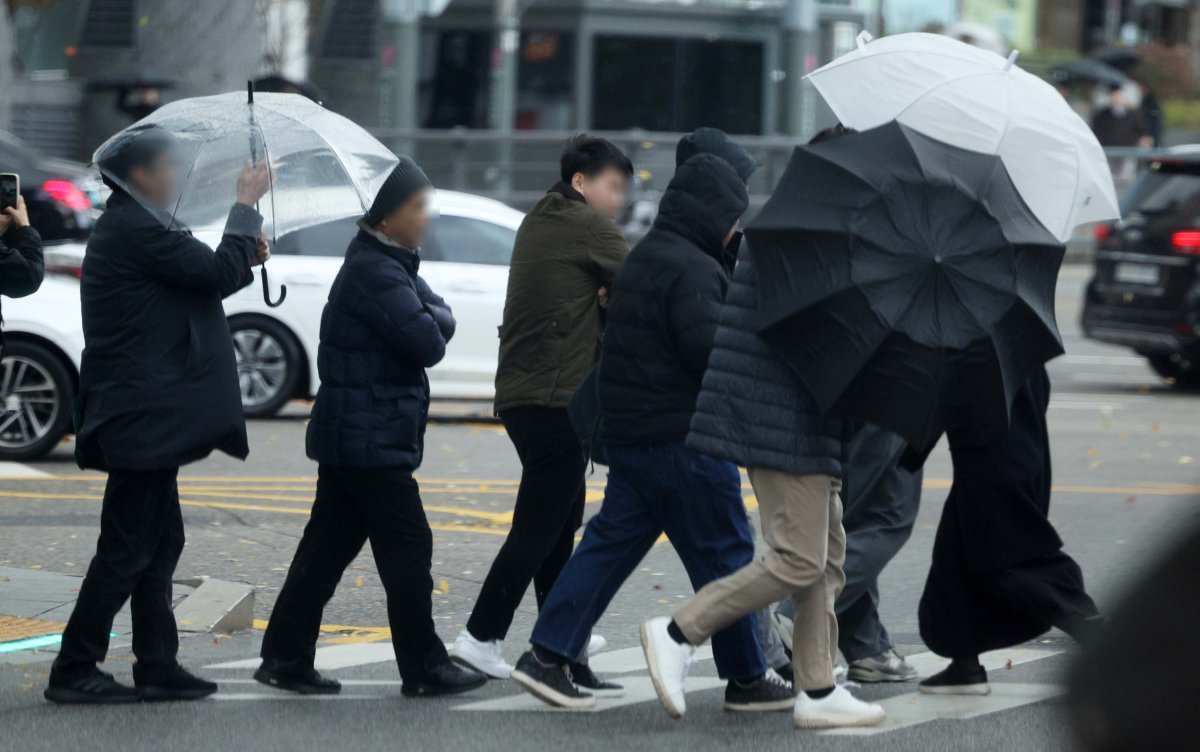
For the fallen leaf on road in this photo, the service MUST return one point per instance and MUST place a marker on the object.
(1130, 499)
(1093, 452)
(1008, 665)
(1185, 460)
(358, 582)
(1155, 426)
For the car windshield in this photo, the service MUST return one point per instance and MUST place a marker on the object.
(451, 237)
(1163, 189)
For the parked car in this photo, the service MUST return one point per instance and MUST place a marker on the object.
(1145, 290)
(58, 194)
(465, 259)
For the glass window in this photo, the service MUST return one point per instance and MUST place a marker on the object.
(465, 240)
(329, 239)
(545, 81)
(455, 79)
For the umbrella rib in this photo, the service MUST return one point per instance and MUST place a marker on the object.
(940, 84)
(192, 166)
(341, 158)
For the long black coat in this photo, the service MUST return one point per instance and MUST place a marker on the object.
(380, 330)
(21, 265)
(753, 410)
(664, 305)
(159, 381)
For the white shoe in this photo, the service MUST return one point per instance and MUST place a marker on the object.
(484, 657)
(783, 628)
(596, 643)
(838, 708)
(669, 664)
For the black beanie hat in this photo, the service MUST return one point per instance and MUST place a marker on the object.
(405, 180)
(714, 141)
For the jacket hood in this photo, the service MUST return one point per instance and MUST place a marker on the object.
(714, 141)
(702, 202)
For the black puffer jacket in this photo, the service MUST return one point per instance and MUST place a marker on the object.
(381, 329)
(664, 307)
(752, 409)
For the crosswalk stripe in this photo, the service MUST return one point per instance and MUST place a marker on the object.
(18, 470)
(928, 664)
(638, 689)
(914, 708)
(286, 697)
(333, 657)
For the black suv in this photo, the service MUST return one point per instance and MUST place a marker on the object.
(1145, 291)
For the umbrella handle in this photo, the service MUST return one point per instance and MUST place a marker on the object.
(267, 291)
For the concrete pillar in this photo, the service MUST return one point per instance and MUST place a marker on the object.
(802, 41)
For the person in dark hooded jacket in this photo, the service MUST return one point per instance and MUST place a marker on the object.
(381, 328)
(661, 317)
(158, 389)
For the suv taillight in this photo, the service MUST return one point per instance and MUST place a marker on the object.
(1102, 231)
(1186, 242)
(68, 194)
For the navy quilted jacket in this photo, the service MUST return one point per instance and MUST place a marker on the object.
(752, 409)
(380, 330)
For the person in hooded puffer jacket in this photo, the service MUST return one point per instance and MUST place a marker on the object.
(661, 318)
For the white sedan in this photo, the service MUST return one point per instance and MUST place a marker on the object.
(465, 259)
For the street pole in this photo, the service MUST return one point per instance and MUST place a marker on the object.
(802, 40)
(403, 29)
(504, 89)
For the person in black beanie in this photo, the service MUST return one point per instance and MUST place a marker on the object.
(380, 330)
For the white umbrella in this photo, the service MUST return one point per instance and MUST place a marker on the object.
(968, 97)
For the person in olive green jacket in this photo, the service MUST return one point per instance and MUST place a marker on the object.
(567, 252)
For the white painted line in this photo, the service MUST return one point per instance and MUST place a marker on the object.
(18, 470)
(928, 664)
(286, 697)
(1103, 360)
(345, 682)
(913, 709)
(333, 657)
(638, 689)
(628, 660)
(1085, 405)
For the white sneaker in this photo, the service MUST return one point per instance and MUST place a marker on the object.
(669, 664)
(484, 657)
(596, 643)
(838, 708)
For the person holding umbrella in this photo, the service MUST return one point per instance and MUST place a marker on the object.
(380, 330)
(158, 389)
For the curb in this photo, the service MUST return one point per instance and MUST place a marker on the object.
(215, 606)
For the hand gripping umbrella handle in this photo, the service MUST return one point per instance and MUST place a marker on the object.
(267, 290)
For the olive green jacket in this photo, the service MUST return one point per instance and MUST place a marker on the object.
(565, 252)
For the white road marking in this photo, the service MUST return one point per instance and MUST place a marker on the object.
(928, 664)
(18, 470)
(628, 660)
(286, 697)
(914, 708)
(638, 689)
(334, 656)
(1102, 360)
(345, 682)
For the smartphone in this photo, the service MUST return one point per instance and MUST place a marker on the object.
(10, 188)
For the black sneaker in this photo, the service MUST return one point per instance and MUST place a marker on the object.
(956, 680)
(446, 678)
(95, 687)
(586, 679)
(170, 683)
(294, 677)
(552, 684)
(765, 694)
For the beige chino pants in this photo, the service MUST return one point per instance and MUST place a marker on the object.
(801, 518)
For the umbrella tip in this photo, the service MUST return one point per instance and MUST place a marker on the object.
(250, 92)
(863, 38)
(1012, 60)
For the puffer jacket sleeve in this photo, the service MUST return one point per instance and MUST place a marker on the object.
(437, 308)
(390, 305)
(693, 310)
(21, 265)
(178, 259)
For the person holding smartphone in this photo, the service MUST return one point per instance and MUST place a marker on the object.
(21, 266)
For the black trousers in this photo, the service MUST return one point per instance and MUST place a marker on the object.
(354, 505)
(141, 538)
(548, 511)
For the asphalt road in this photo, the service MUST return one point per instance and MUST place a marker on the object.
(1127, 476)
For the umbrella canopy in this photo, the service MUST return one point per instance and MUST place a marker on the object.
(1090, 69)
(1121, 58)
(977, 100)
(905, 281)
(323, 166)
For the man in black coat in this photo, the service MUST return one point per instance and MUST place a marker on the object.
(158, 389)
(661, 317)
(381, 328)
(21, 267)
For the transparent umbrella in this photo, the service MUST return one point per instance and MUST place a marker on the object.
(322, 166)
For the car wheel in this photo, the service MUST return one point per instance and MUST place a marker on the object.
(1181, 372)
(36, 392)
(269, 362)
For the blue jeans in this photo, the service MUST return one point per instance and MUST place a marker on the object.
(692, 497)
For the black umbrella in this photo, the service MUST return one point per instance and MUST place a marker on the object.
(905, 281)
(1090, 69)
(1121, 58)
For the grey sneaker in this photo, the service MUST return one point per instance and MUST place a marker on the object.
(888, 666)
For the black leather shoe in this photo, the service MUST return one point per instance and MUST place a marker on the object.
(444, 679)
(95, 687)
(170, 684)
(293, 677)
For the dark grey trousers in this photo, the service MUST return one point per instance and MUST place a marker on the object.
(880, 503)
